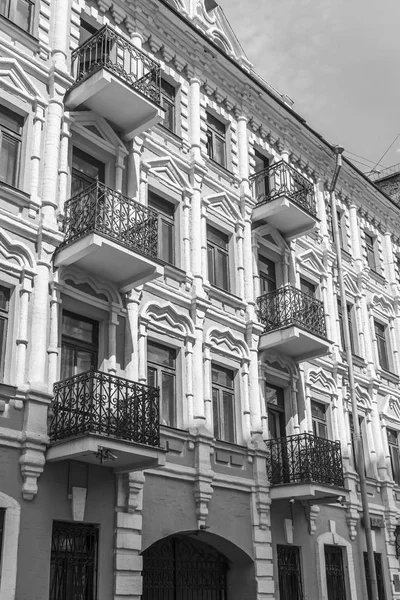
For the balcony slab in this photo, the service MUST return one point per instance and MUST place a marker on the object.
(109, 260)
(314, 492)
(129, 111)
(128, 456)
(286, 216)
(295, 342)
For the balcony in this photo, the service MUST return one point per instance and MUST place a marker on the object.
(305, 467)
(294, 324)
(117, 81)
(285, 199)
(111, 236)
(98, 418)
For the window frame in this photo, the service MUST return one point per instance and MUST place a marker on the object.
(159, 370)
(214, 135)
(394, 453)
(12, 12)
(15, 136)
(265, 276)
(341, 230)
(213, 249)
(352, 326)
(158, 202)
(370, 249)
(382, 346)
(76, 344)
(4, 316)
(170, 100)
(218, 404)
(319, 422)
(308, 284)
(262, 186)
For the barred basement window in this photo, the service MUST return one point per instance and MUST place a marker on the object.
(335, 577)
(73, 565)
(2, 518)
(379, 576)
(290, 585)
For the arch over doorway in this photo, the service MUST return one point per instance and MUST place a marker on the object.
(197, 566)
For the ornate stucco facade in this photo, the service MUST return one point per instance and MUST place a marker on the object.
(91, 316)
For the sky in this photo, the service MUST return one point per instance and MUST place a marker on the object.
(337, 59)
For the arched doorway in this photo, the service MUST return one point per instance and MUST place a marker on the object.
(184, 568)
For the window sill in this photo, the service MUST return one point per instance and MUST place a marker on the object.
(347, 256)
(389, 375)
(15, 195)
(172, 134)
(216, 293)
(377, 277)
(221, 170)
(19, 35)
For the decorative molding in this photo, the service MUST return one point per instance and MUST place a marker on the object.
(222, 341)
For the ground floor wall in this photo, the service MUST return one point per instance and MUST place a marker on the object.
(294, 524)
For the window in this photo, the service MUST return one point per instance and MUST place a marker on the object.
(381, 342)
(289, 573)
(79, 345)
(21, 12)
(335, 577)
(342, 233)
(73, 563)
(86, 170)
(218, 258)
(318, 417)
(161, 372)
(4, 314)
(307, 287)
(351, 325)
(267, 274)
(379, 576)
(393, 443)
(166, 226)
(223, 403)
(370, 249)
(11, 126)
(275, 401)
(216, 140)
(168, 94)
(262, 187)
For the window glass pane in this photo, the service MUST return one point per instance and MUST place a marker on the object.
(161, 204)
(166, 249)
(161, 355)
(318, 410)
(167, 399)
(3, 338)
(4, 297)
(152, 377)
(307, 287)
(78, 329)
(11, 120)
(275, 396)
(217, 237)
(169, 117)
(4, 7)
(215, 124)
(210, 264)
(167, 89)
(67, 362)
(222, 376)
(84, 361)
(9, 159)
(85, 171)
(215, 413)
(23, 14)
(227, 410)
(222, 271)
(219, 151)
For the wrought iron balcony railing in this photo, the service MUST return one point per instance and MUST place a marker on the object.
(99, 209)
(107, 49)
(281, 179)
(288, 306)
(304, 458)
(103, 404)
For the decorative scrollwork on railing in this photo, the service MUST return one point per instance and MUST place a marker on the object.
(281, 179)
(99, 209)
(103, 404)
(288, 306)
(304, 458)
(109, 50)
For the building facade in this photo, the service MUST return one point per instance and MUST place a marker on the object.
(175, 419)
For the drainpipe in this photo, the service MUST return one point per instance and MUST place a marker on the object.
(350, 373)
